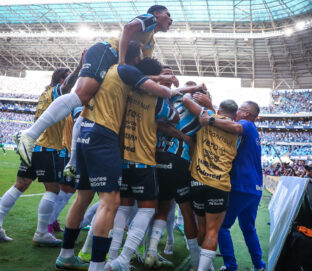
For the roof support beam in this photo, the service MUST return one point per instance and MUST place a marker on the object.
(272, 62)
(14, 57)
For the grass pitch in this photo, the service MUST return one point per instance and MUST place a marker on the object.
(20, 224)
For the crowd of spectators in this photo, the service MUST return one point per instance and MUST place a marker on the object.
(19, 95)
(18, 106)
(10, 129)
(12, 116)
(289, 101)
(287, 122)
(303, 137)
(286, 169)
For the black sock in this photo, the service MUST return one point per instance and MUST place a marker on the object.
(70, 237)
(100, 247)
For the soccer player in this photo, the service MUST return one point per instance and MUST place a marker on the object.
(2, 145)
(174, 178)
(139, 172)
(211, 163)
(61, 82)
(245, 195)
(98, 158)
(98, 60)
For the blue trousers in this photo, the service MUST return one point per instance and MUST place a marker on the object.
(244, 206)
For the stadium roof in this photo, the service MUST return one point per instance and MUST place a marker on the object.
(266, 43)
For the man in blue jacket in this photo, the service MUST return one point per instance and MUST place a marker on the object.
(246, 180)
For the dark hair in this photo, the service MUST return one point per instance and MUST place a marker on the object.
(133, 51)
(228, 107)
(57, 75)
(190, 83)
(166, 67)
(154, 8)
(149, 66)
(255, 109)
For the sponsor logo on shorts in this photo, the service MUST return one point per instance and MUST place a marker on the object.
(196, 183)
(23, 168)
(198, 206)
(119, 181)
(40, 172)
(102, 74)
(86, 66)
(216, 202)
(59, 174)
(87, 124)
(124, 187)
(164, 166)
(83, 140)
(137, 189)
(98, 181)
(183, 191)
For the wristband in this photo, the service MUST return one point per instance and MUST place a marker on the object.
(211, 121)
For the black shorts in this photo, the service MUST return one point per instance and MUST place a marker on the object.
(206, 199)
(25, 171)
(139, 183)
(97, 60)
(173, 177)
(48, 166)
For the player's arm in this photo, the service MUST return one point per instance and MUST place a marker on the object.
(165, 110)
(71, 79)
(155, 89)
(164, 79)
(127, 33)
(223, 124)
(166, 128)
(193, 89)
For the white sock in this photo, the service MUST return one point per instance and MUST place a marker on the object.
(58, 206)
(206, 259)
(136, 233)
(87, 246)
(118, 230)
(194, 251)
(96, 266)
(7, 202)
(157, 230)
(180, 217)
(45, 210)
(67, 252)
(89, 215)
(76, 130)
(170, 224)
(58, 110)
(132, 214)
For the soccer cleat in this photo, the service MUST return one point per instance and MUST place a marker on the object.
(4, 237)
(180, 228)
(86, 228)
(86, 257)
(72, 263)
(25, 145)
(116, 265)
(223, 268)
(70, 171)
(168, 250)
(46, 239)
(57, 227)
(150, 260)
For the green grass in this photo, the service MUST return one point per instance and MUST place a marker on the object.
(20, 224)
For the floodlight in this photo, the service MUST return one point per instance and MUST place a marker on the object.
(300, 25)
(288, 31)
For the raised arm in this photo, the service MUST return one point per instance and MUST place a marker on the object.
(127, 33)
(155, 89)
(225, 125)
(71, 79)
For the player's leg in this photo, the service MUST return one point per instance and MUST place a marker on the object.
(144, 189)
(247, 218)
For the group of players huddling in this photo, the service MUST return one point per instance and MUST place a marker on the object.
(136, 141)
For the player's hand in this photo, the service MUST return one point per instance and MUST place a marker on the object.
(203, 100)
(190, 142)
(175, 92)
(168, 79)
